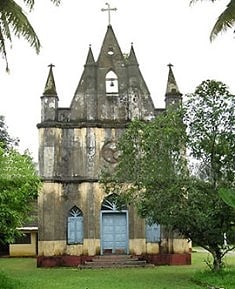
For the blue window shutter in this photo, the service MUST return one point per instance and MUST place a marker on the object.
(79, 229)
(153, 233)
(71, 230)
(75, 230)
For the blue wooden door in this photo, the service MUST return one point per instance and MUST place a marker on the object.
(114, 233)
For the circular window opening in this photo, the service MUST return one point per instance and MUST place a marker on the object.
(110, 51)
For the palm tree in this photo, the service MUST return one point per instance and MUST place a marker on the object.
(13, 21)
(225, 20)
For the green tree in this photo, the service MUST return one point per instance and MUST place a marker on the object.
(5, 139)
(225, 20)
(211, 123)
(211, 129)
(161, 183)
(228, 196)
(19, 184)
(13, 20)
(215, 145)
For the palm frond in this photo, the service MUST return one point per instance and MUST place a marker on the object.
(56, 2)
(5, 29)
(30, 3)
(193, 1)
(225, 21)
(13, 19)
(3, 48)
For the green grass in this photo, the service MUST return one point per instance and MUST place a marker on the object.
(8, 283)
(224, 279)
(25, 275)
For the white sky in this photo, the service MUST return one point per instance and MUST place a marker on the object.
(163, 31)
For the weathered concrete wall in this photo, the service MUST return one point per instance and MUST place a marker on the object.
(24, 250)
(77, 152)
(90, 247)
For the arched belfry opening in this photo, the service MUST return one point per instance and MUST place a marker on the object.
(111, 82)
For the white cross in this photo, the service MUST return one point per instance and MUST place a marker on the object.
(109, 9)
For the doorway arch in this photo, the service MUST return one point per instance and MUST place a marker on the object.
(114, 227)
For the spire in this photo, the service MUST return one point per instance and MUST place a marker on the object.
(173, 97)
(90, 58)
(132, 60)
(172, 87)
(50, 88)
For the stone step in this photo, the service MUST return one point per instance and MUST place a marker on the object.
(115, 261)
(100, 266)
(115, 258)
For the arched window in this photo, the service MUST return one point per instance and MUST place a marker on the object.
(111, 83)
(112, 203)
(75, 226)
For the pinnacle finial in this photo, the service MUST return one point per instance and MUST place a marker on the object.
(50, 88)
(172, 87)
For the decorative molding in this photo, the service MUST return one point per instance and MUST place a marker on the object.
(84, 124)
(65, 180)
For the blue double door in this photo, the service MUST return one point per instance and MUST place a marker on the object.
(114, 233)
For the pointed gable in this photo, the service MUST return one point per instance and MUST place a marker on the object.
(90, 58)
(83, 104)
(111, 88)
(132, 60)
(110, 50)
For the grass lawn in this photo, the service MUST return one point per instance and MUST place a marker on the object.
(26, 275)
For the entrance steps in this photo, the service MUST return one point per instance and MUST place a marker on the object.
(115, 261)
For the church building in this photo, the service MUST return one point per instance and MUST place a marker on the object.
(77, 219)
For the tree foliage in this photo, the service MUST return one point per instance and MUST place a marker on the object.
(212, 130)
(228, 196)
(19, 184)
(154, 172)
(13, 21)
(151, 153)
(225, 20)
(211, 123)
(5, 139)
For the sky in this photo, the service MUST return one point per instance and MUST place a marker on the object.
(162, 32)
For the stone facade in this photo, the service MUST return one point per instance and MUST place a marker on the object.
(76, 219)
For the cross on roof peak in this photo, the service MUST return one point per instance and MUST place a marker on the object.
(51, 65)
(109, 10)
